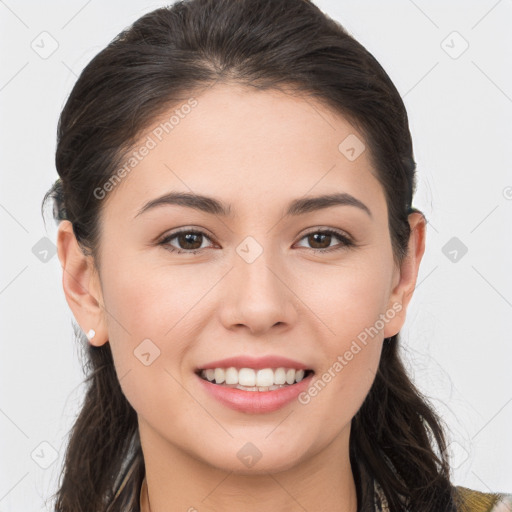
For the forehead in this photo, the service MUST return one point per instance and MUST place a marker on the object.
(250, 147)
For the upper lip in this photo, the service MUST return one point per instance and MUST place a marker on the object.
(244, 361)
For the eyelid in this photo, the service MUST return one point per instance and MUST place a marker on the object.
(336, 231)
(184, 229)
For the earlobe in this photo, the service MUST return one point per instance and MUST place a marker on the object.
(407, 274)
(81, 285)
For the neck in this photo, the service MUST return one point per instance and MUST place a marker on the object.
(323, 482)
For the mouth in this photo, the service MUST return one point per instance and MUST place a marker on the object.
(256, 380)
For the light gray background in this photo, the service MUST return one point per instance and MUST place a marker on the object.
(458, 332)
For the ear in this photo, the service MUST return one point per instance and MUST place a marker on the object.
(404, 278)
(81, 284)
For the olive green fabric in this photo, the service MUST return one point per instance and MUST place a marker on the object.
(467, 500)
(476, 501)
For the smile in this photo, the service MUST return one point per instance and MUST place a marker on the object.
(249, 379)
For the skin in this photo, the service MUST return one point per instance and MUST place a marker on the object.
(257, 150)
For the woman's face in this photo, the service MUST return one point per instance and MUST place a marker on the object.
(257, 287)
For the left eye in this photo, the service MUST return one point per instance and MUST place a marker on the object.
(320, 236)
(190, 242)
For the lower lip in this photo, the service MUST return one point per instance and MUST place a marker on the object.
(256, 401)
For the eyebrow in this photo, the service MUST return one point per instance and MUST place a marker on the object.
(215, 207)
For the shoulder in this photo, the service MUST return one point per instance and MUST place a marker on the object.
(476, 501)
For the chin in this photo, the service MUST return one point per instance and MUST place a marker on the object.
(248, 460)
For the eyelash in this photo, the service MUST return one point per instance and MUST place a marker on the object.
(346, 242)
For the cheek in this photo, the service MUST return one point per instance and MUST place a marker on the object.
(350, 302)
(152, 315)
(154, 301)
(338, 391)
(351, 360)
(346, 299)
(147, 316)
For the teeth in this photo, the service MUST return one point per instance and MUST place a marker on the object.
(264, 377)
(253, 380)
(231, 376)
(219, 375)
(280, 376)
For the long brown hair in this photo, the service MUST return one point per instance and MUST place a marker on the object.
(396, 438)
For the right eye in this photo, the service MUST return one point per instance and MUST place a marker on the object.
(190, 240)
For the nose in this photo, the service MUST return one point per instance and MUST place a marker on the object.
(256, 296)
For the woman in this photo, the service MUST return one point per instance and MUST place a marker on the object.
(238, 242)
